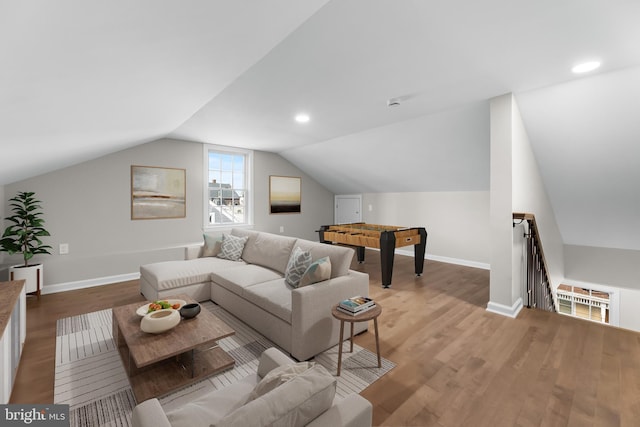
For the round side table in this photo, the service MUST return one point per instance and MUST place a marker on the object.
(371, 314)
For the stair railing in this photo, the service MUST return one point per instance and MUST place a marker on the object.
(539, 290)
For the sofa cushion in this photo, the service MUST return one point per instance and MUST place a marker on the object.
(212, 406)
(212, 245)
(174, 274)
(273, 296)
(293, 404)
(231, 247)
(251, 235)
(340, 256)
(318, 271)
(298, 263)
(277, 377)
(237, 279)
(268, 250)
(243, 232)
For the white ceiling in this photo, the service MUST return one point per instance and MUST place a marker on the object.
(586, 138)
(81, 79)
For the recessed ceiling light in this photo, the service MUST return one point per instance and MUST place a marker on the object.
(585, 67)
(302, 118)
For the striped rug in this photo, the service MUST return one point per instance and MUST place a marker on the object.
(91, 379)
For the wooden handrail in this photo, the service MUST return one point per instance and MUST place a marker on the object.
(535, 235)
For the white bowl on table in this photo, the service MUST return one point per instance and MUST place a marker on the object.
(160, 321)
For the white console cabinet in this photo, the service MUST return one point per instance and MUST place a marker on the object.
(13, 329)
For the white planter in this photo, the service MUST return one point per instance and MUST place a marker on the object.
(32, 276)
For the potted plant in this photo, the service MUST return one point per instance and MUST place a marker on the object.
(23, 236)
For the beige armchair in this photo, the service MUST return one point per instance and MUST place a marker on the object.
(304, 398)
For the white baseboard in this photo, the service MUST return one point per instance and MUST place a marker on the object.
(89, 283)
(505, 310)
(448, 260)
(99, 281)
(457, 261)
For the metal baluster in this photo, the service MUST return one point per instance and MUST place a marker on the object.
(539, 293)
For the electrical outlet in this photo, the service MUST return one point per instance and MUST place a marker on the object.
(63, 249)
(282, 228)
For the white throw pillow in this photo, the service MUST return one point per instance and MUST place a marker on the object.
(295, 403)
(212, 245)
(278, 376)
(232, 247)
(298, 263)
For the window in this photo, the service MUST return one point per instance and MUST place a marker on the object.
(584, 303)
(227, 186)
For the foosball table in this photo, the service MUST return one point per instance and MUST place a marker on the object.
(384, 237)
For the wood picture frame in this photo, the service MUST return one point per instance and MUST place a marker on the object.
(285, 194)
(158, 192)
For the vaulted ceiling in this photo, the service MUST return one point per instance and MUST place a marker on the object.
(82, 79)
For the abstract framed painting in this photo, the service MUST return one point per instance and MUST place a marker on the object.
(285, 194)
(158, 193)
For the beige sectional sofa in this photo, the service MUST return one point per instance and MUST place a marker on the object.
(278, 394)
(254, 288)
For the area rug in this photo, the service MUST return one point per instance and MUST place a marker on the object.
(90, 376)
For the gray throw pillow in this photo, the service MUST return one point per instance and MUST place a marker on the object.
(231, 247)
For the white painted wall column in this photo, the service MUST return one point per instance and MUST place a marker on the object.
(504, 294)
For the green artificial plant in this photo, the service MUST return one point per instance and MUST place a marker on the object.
(23, 236)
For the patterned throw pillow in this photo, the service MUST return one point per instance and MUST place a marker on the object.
(232, 247)
(318, 271)
(212, 245)
(298, 263)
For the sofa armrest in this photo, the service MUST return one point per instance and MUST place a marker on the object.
(193, 252)
(352, 411)
(272, 358)
(149, 414)
(313, 328)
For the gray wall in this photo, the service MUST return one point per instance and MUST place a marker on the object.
(606, 266)
(317, 202)
(531, 196)
(457, 222)
(88, 207)
(430, 171)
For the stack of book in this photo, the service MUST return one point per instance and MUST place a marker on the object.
(356, 305)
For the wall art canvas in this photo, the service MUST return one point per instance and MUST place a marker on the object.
(158, 192)
(285, 194)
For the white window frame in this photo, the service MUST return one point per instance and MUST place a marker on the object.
(249, 186)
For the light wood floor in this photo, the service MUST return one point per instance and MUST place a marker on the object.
(457, 364)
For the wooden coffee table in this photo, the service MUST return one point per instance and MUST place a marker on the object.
(160, 363)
